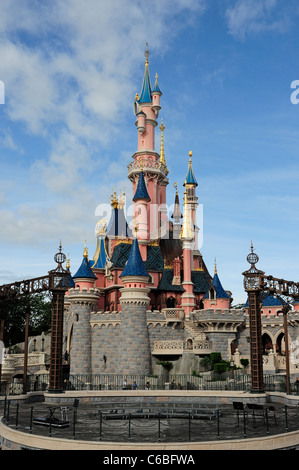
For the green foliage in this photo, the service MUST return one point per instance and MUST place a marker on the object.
(244, 362)
(206, 362)
(15, 318)
(168, 365)
(220, 367)
(215, 357)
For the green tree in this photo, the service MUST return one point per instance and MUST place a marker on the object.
(14, 312)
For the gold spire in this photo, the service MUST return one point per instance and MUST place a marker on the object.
(215, 267)
(68, 262)
(186, 232)
(175, 185)
(162, 155)
(85, 253)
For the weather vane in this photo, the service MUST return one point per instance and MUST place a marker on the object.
(146, 52)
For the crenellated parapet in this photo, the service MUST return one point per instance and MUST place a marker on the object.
(219, 320)
(84, 295)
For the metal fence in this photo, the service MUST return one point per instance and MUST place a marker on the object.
(151, 422)
(207, 381)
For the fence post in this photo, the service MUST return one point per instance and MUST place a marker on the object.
(286, 417)
(189, 427)
(244, 423)
(159, 427)
(129, 426)
(31, 419)
(8, 409)
(101, 425)
(5, 407)
(267, 422)
(74, 424)
(218, 428)
(17, 415)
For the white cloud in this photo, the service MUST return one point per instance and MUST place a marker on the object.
(254, 16)
(69, 70)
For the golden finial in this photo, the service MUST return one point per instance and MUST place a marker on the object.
(215, 267)
(190, 155)
(136, 97)
(85, 253)
(251, 247)
(175, 185)
(162, 155)
(68, 262)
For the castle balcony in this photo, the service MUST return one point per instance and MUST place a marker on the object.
(150, 164)
(173, 314)
(178, 347)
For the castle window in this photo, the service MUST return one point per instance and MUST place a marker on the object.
(212, 294)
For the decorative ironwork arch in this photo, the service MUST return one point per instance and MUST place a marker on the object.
(57, 282)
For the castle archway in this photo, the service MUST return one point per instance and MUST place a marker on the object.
(267, 343)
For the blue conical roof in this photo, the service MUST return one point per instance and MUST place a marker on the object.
(70, 280)
(85, 271)
(141, 191)
(146, 92)
(135, 265)
(156, 88)
(220, 292)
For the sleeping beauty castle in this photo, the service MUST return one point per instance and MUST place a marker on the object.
(146, 295)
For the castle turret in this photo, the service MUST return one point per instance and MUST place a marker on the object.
(190, 186)
(141, 200)
(146, 107)
(156, 93)
(216, 297)
(188, 298)
(135, 355)
(176, 215)
(83, 300)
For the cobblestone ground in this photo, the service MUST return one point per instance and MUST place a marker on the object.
(123, 423)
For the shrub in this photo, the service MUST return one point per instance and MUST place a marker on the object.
(244, 362)
(220, 367)
(215, 357)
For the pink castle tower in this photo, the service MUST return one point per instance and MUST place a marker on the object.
(147, 107)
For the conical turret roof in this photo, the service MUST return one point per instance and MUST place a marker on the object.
(135, 265)
(85, 271)
(141, 191)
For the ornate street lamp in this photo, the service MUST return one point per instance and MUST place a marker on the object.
(252, 287)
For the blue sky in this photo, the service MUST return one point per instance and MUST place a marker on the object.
(71, 70)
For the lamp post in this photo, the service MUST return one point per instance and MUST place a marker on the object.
(232, 364)
(252, 287)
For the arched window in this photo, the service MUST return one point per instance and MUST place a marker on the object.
(267, 343)
(212, 293)
(280, 344)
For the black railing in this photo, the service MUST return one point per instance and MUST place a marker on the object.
(104, 382)
(151, 421)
